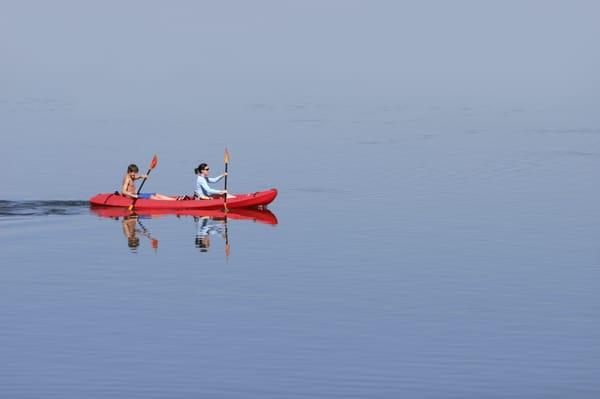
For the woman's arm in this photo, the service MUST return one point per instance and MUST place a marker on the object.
(216, 179)
(206, 188)
(203, 188)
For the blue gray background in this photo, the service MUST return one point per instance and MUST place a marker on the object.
(438, 210)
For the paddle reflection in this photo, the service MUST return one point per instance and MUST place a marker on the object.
(209, 223)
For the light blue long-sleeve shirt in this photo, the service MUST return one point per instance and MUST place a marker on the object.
(206, 227)
(202, 187)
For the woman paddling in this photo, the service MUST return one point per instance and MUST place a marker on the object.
(203, 190)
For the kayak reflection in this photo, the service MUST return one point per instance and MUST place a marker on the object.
(209, 223)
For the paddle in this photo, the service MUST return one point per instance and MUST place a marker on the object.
(226, 239)
(153, 164)
(226, 159)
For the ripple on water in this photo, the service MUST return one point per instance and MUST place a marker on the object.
(42, 208)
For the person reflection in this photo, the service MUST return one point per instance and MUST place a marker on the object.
(129, 230)
(206, 227)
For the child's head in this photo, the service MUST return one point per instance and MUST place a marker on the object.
(132, 168)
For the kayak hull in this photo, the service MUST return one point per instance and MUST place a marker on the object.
(251, 200)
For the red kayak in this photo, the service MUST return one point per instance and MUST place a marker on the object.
(256, 215)
(253, 200)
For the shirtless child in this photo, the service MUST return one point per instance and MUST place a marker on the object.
(128, 187)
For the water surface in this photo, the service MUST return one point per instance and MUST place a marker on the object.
(426, 251)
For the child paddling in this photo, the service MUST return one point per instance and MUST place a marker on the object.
(128, 186)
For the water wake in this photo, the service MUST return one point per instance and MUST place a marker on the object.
(42, 208)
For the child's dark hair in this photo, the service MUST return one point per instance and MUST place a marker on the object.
(132, 168)
(200, 168)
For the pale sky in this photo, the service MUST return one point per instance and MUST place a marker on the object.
(198, 50)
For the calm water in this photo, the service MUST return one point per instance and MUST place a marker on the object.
(422, 250)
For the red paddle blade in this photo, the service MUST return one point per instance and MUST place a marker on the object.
(226, 156)
(154, 162)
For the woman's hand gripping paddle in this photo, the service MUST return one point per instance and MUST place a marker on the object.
(153, 164)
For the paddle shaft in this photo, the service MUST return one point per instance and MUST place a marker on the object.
(144, 181)
(225, 195)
